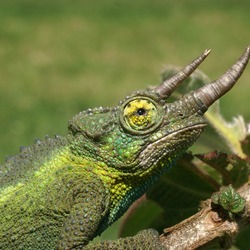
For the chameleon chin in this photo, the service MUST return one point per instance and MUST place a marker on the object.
(62, 192)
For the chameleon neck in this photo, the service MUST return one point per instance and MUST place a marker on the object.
(126, 188)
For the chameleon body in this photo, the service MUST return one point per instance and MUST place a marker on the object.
(62, 192)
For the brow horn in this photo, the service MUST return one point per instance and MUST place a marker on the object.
(166, 88)
(211, 92)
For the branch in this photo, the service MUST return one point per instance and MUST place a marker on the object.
(208, 227)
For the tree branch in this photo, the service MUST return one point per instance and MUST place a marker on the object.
(209, 227)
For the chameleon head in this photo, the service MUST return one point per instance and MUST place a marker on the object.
(145, 132)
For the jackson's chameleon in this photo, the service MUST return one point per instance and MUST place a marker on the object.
(62, 192)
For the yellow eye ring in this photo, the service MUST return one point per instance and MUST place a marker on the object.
(140, 115)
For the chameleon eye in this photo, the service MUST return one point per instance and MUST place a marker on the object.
(141, 111)
(140, 115)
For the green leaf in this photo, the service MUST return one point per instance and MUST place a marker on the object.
(229, 200)
(232, 132)
(146, 214)
(180, 191)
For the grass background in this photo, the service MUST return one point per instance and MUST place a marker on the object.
(60, 57)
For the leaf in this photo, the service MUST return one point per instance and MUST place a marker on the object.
(233, 169)
(243, 239)
(145, 214)
(232, 132)
(180, 191)
(245, 143)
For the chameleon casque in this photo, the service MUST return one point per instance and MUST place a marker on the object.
(62, 192)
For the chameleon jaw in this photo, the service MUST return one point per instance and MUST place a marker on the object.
(155, 151)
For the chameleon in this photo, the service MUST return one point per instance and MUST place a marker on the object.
(63, 191)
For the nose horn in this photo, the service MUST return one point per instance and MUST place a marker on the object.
(166, 88)
(211, 92)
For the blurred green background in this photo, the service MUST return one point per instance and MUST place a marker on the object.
(60, 57)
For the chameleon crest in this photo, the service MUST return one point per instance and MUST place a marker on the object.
(62, 192)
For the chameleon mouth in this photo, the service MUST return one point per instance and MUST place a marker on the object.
(170, 143)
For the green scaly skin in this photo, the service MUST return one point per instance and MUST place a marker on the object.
(62, 192)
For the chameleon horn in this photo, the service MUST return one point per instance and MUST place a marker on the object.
(211, 92)
(166, 88)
